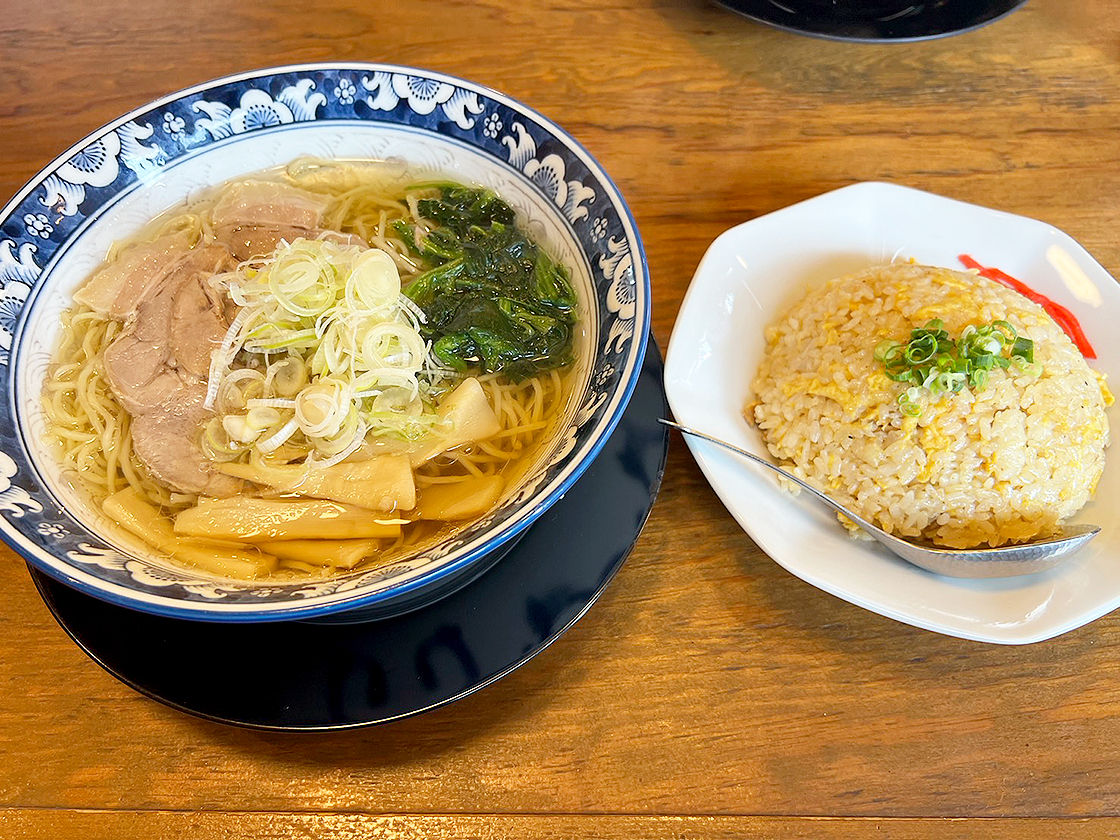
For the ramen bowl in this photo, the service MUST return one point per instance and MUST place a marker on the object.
(57, 230)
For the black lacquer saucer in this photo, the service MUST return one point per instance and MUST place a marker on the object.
(316, 676)
(923, 20)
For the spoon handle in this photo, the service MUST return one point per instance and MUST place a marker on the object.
(762, 462)
(983, 562)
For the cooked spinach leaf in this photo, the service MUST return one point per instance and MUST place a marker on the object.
(493, 300)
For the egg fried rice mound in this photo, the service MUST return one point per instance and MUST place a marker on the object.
(986, 466)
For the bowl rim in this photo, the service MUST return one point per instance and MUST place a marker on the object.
(67, 572)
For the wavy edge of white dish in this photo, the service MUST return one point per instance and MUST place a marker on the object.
(796, 250)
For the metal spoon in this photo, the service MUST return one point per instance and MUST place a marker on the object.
(1003, 561)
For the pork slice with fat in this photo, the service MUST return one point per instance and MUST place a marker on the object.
(140, 364)
(268, 203)
(118, 288)
(136, 362)
(248, 241)
(198, 325)
(166, 440)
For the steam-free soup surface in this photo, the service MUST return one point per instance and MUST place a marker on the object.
(313, 370)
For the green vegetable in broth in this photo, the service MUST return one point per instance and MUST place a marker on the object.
(492, 299)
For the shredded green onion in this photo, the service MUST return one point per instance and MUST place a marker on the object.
(324, 350)
(932, 363)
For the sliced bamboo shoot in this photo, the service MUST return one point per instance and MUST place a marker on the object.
(462, 500)
(467, 416)
(342, 554)
(228, 559)
(257, 520)
(240, 564)
(381, 483)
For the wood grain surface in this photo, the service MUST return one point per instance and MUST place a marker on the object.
(709, 694)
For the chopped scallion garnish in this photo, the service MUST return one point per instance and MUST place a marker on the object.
(932, 362)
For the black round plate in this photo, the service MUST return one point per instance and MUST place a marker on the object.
(924, 19)
(314, 676)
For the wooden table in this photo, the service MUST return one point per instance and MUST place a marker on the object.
(709, 694)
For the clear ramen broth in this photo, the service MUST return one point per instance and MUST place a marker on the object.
(314, 370)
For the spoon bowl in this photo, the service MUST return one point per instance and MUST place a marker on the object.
(984, 562)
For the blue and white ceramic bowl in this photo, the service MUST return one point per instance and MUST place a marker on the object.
(59, 227)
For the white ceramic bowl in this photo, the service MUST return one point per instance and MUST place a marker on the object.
(57, 230)
(753, 273)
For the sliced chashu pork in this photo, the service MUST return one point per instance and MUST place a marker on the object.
(157, 369)
(253, 217)
(117, 288)
(141, 364)
(268, 203)
(164, 439)
(198, 325)
(248, 241)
